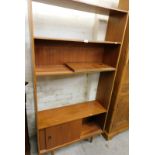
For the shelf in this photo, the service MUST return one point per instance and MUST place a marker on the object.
(89, 67)
(53, 70)
(76, 40)
(72, 68)
(90, 129)
(82, 5)
(65, 114)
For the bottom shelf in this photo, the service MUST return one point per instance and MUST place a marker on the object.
(89, 129)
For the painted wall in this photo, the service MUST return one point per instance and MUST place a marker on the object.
(56, 22)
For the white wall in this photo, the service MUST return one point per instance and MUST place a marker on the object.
(56, 22)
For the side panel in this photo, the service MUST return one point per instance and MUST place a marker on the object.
(121, 115)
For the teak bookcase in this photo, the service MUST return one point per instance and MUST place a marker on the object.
(62, 126)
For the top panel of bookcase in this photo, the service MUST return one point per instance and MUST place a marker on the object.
(81, 5)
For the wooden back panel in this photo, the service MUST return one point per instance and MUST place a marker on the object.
(124, 4)
(116, 25)
(59, 52)
(104, 88)
(111, 55)
(104, 91)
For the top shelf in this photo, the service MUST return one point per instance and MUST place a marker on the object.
(78, 41)
(83, 6)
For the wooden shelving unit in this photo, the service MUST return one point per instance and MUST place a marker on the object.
(59, 56)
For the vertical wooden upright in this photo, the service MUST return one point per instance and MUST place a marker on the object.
(118, 114)
(30, 18)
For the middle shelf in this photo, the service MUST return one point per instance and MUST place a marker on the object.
(65, 114)
(72, 68)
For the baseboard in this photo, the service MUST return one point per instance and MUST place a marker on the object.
(109, 136)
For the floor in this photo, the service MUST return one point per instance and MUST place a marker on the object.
(119, 145)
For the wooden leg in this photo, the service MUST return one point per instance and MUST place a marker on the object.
(52, 153)
(91, 139)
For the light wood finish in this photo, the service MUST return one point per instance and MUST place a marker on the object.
(82, 6)
(61, 115)
(89, 67)
(50, 56)
(61, 134)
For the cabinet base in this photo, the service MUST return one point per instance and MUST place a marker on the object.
(110, 135)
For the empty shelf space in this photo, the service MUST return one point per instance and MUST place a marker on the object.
(90, 129)
(53, 70)
(76, 40)
(65, 114)
(89, 67)
(83, 6)
(72, 68)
